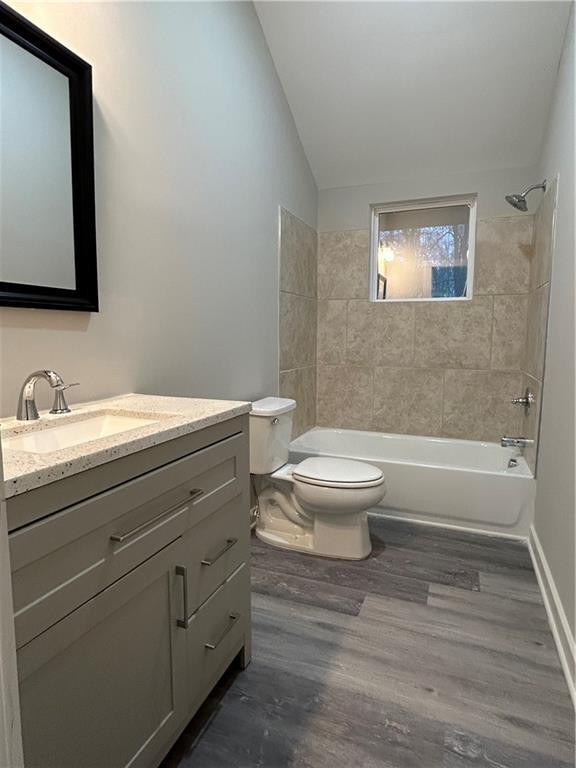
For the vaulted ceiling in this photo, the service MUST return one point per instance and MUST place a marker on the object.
(395, 88)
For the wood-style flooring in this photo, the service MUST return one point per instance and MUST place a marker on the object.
(433, 653)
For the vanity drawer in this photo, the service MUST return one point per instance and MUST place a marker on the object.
(50, 588)
(215, 548)
(63, 560)
(216, 633)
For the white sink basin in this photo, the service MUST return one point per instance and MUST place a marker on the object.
(59, 436)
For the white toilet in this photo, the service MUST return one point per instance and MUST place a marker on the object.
(317, 506)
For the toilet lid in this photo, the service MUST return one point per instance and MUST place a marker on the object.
(337, 473)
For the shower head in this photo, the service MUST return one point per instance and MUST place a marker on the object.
(519, 201)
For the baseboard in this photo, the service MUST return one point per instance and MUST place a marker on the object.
(556, 616)
(402, 517)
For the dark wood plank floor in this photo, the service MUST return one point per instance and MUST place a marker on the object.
(433, 653)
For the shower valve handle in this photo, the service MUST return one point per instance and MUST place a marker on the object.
(527, 400)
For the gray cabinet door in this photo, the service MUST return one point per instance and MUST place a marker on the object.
(105, 686)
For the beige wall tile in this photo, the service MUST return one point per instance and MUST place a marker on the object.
(531, 420)
(380, 333)
(509, 331)
(543, 238)
(298, 264)
(536, 332)
(331, 344)
(453, 334)
(344, 396)
(297, 331)
(343, 264)
(387, 366)
(408, 400)
(300, 384)
(503, 255)
(477, 404)
(298, 322)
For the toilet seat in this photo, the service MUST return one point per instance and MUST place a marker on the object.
(330, 472)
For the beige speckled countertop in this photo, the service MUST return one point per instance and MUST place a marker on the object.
(175, 416)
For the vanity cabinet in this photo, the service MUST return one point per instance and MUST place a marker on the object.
(130, 602)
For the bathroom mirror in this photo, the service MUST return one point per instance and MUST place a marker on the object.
(47, 214)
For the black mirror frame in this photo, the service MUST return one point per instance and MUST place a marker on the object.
(84, 297)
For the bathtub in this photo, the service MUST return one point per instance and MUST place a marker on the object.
(461, 483)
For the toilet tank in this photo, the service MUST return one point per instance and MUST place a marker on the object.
(270, 433)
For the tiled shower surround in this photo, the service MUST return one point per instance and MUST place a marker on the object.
(298, 306)
(537, 315)
(427, 368)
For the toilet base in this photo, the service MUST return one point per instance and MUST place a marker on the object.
(344, 537)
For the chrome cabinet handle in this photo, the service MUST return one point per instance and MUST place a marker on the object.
(211, 560)
(120, 538)
(233, 619)
(183, 571)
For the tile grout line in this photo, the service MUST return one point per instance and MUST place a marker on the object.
(413, 356)
(492, 334)
(443, 400)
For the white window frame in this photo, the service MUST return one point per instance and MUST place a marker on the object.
(414, 205)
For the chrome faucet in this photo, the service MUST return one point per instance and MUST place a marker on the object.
(27, 410)
(515, 442)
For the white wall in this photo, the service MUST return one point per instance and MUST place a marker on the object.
(349, 207)
(555, 502)
(195, 149)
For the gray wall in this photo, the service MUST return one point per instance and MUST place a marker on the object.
(195, 150)
(349, 207)
(555, 503)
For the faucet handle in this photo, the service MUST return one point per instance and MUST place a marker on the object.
(526, 400)
(60, 405)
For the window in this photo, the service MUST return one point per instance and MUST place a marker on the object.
(423, 249)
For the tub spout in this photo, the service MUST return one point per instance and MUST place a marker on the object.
(515, 442)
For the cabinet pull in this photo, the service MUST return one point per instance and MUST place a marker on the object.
(183, 571)
(211, 560)
(233, 619)
(195, 493)
(120, 538)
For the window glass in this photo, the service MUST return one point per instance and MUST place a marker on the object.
(422, 253)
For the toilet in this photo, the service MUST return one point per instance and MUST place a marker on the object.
(316, 506)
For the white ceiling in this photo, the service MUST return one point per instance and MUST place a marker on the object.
(397, 88)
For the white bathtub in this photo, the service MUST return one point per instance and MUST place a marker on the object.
(450, 482)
